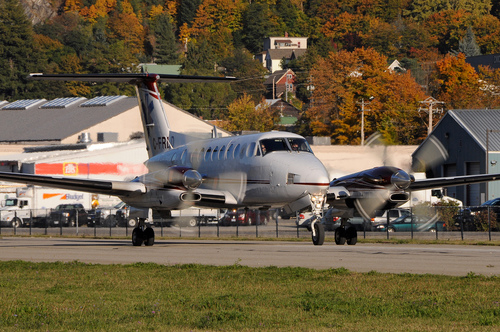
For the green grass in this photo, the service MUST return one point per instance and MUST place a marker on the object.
(151, 297)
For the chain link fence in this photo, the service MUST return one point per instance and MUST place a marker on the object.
(429, 223)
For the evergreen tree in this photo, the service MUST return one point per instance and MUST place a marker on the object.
(16, 53)
(468, 44)
(187, 11)
(165, 50)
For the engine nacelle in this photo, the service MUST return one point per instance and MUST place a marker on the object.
(176, 176)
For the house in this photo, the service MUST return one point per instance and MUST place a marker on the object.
(289, 114)
(464, 142)
(278, 48)
(280, 84)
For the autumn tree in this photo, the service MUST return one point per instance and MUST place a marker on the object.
(127, 27)
(242, 114)
(344, 80)
(456, 83)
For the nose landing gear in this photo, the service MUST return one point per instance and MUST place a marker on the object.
(317, 228)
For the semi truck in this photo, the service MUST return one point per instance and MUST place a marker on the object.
(33, 204)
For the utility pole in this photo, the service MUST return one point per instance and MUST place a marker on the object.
(430, 102)
(363, 103)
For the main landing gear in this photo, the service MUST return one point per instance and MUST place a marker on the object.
(345, 234)
(143, 234)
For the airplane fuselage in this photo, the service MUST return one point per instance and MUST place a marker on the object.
(259, 170)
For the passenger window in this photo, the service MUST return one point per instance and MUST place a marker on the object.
(251, 149)
(207, 155)
(243, 150)
(229, 151)
(237, 150)
(221, 152)
(214, 153)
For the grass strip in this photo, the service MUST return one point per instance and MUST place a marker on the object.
(143, 297)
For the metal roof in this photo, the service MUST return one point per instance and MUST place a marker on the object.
(55, 124)
(477, 122)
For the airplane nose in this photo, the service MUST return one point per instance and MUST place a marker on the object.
(316, 177)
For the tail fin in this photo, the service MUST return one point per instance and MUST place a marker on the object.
(154, 119)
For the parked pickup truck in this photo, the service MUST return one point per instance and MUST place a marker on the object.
(68, 214)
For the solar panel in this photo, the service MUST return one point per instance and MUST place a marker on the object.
(62, 102)
(23, 104)
(101, 101)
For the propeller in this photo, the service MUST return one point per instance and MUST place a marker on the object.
(392, 182)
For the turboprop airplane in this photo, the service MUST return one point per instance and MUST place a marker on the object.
(265, 170)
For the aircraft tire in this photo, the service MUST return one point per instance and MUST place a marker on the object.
(319, 238)
(137, 237)
(340, 236)
(352, 236)
(149, 236)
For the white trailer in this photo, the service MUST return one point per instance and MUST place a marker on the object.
(34, 203)
(188, 217)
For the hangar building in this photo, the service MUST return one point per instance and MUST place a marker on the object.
(471, 139)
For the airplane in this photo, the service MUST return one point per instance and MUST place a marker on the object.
(265, 170)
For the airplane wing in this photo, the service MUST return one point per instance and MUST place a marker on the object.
(116, 188)
(452, 181)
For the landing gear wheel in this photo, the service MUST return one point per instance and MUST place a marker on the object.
(137, 237)
(318, 236)
(149, 236)
(192, 222)
(352, 236)
(340, 236)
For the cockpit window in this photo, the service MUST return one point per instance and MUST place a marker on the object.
(299, 144)
(273, 144)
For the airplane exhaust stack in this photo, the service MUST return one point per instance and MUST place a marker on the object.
(190, 197)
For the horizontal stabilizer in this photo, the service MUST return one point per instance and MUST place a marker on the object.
(131, 78)
(115, 188)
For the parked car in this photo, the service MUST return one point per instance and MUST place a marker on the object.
(68, 214)
(475, 218)
(418, 224)
(381, 215)
(106, 216)
(237, 217)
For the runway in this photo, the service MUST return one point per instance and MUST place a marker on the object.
(454, 260)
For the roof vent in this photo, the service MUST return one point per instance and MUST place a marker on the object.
(84, 138)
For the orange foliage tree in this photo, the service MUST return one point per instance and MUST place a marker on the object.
(127, 27)
(344, 80)
(457, 83)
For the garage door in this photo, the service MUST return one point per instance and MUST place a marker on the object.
(473, 190)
